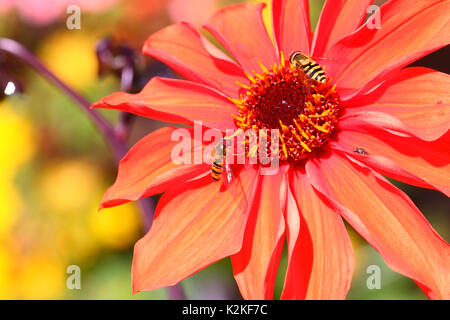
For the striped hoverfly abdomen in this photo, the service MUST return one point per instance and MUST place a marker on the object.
(221, 170)
(311, 68)
(217, 165)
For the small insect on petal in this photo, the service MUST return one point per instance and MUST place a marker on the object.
(359, 150)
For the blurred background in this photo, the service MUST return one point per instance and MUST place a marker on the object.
(55, 165)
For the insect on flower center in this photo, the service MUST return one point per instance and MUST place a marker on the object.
(287, 97)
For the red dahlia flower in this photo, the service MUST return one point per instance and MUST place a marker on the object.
(372, 116)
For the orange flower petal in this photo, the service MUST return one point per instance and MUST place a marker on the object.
(338, 19)
(291, 25)
(412, 86)
(367, 120)
(241, 31)
(321, 261)
(183, 49)
(195, 225)
(176, 101)
(387, 219)
(419, 97)
(147, 169)
(413, 161)
(429, 122)
(255, 266)
(409, 28)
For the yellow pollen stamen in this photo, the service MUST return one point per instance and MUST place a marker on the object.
(263, 68)
(253, 80)
(323, 114)
(320, 128)
(243, 85)
(283, 146)
(331, 91)
(305, 146)
(257, 76)
(309, 106)
(301, 130)
(283, 127)
(317, 97)
(240, 119)
(238, 102)
(283, 63)
(297, 136)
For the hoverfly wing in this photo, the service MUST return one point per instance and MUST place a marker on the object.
(330, 61)
(233, 184)
(330, 65)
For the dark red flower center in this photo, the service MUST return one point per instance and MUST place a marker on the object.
(304, 110)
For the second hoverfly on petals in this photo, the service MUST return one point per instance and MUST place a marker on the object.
(222, 171)
(217, 167)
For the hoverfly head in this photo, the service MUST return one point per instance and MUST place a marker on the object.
(299, 59)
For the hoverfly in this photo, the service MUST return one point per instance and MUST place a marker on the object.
(222, 171)
(218, 163)
(360, 150)
(311, 68)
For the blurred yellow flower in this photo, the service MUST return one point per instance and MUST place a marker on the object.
(71, 56)
(267, 15)
(10, 205)
(116, 228)
(74, 242)
(70, 186)
(8, 257)
(16, 139)
(42, 276)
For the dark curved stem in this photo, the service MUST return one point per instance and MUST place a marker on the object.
(17, 50)
(125, 118)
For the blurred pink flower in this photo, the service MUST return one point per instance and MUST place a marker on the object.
(194, 11)
(40, 12)
(5, 5)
